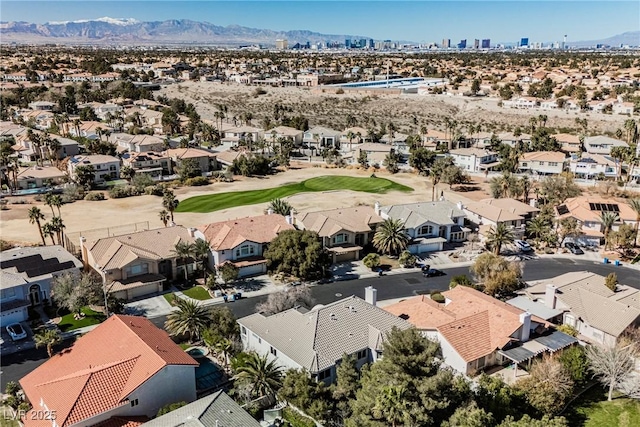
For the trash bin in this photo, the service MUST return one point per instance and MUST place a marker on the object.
(605, 261)
(617, 263)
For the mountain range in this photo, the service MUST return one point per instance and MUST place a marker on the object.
(128, 31)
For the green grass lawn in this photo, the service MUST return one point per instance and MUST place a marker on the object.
(592, 409)
(295, 419)
(68, 323)
(169, 297)
(214, 202)
(197, 292)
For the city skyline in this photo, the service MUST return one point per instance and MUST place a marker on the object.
(417, 21)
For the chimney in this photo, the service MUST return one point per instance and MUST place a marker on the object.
(371, 295)
(550, 296)
(459, 205)
(525, 319)
(269, 211)
(376, 208)
(292, 217)
(192, 232)
(83, 253)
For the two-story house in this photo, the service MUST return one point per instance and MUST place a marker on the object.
(285, 132)
(428, 224)
(542, 162)
(242, 134)
(344, 231)
(317, 339)
(474, 159)
(602, 144)
(106, 168)
(120, 373)
(205, 159)
(376, 153)
(570, 143)
(323, 137)
(488, 213)
(588, 211)
(590, 166)
(150, 163)
(136, 264)
(243, 241)
(26, 275)
(138, 143)
(477, 331)
(585, 303)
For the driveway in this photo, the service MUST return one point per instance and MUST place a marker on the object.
(9, 346)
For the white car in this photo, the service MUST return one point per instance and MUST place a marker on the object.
(523, 246)
(16, 331)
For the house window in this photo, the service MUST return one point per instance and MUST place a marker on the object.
(541, 163)
(243, 330)
(244, 250)
(524, 164)
(134, 402)
(570, 320)
(322, 375)
(553, 163)
(481, 362)
(260, 340)
(138, 269)
(362, 354)
(341, 238)
(273, 351)
(425, 230)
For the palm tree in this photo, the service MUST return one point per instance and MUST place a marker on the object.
(264, 376)
(164, 217)
(191, 318)
(537, 227)
(48, 200)
(47, 230)
(608, 219)
(56, 200)
(498, 236)
(170, 202)
(35, 215)
(184, 251)
(635, 205)
(391, 237)
(200, 251)
(280, 207)
(58, 227)
(47, 338)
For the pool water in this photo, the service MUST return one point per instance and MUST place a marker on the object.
(208, 375)
(196, 352)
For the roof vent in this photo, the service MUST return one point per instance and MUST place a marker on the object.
(332, 316)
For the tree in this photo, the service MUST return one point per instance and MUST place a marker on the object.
(127, 172)
(574, 360)
(498, 236)
(264, 377)
(469, 416)
(557, 189)
(623, 238)
(541, 140)
(298, 253)
(498, 398)
(229, 272)
(568, 227)
(200, 251)
(608, 219)
(371, 260)
(73, 291)
(35, 215)
(47, 338)
(312, 397)
(170, 407)
(454, 175)
(391, 237)
(527, 421)
(407, 259)
(496, 274)
(170, 121)
(363, 160)
(612, 365)
(611, 281)
(538, 227)
(278, 302)
(164, 216)
(438, 171)
(47, 230)
(548, 385)
(475, 86)
(191, 319)
(635, 205)
(170, 202)
(223, 323)
(421, 160)
(85, 175)
(183, 251)
(189, 168)
(391, 162)
(280, 207)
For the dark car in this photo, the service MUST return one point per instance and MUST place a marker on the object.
(432, 272)
(573, 248)
(425, 268)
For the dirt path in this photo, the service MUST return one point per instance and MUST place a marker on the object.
(84, 215)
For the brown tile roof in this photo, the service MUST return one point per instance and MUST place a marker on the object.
(359, 219)
(579, 208)
(422, 312)
(512, 205)
(158, 244)
(102, 369)
(259, 229)
(545, 156)
(493, 213)
(188, 153)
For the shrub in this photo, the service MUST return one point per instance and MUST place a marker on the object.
(437, 297)
(406, 259)
(568, 329)
(371, 260)
(122, 191)
(197, 181)
(72, 193)
(142, 181)
(340, 91)
(93, 197)
(154, 190)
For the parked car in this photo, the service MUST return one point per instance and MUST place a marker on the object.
(523, 246)
(573, 248)
(433, 272)
(16, 331)
(425, 268)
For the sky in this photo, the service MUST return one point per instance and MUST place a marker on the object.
(419, 21)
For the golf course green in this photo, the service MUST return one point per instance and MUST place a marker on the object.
(231, 199)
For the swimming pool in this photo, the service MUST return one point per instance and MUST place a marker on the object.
(196, 352)
(208, 375)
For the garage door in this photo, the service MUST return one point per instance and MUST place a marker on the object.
(348, 256)
(14, 316)
(252, 270)
(143, 290)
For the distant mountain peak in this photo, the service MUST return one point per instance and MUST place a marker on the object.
(106, 19)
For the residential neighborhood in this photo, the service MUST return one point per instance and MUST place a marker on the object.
(289, 230)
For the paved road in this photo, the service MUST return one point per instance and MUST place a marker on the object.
(392, 286)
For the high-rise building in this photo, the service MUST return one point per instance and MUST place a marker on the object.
(282, 44)
(363, 44)
(486, 43)
(476, 44)
(347, 43)
(462, 44)
(446, 43)
(524, 41)
(371, 44)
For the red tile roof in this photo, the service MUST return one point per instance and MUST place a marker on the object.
(102, 369)
(122, 422)
(259, 229)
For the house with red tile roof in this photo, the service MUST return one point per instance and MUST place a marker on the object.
(242, 241)
(121, 372)
(475, 330)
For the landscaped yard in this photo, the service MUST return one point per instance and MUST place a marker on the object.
(218, 201)
(592, 409)
(68, 323)
(197, 292)
(169, 297)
